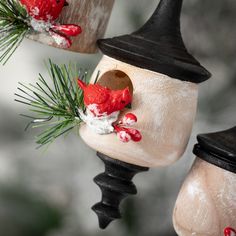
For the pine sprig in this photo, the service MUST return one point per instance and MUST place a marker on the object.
(55, 107)
(13, 27)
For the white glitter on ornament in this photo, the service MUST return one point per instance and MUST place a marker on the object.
(94, 109)
(129, 121)
(101, 124)
(60, 40)
(195, 191)
(40, 25)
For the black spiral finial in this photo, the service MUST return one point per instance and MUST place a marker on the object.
(115, 184)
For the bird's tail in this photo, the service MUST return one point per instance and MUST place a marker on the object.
(82, 84)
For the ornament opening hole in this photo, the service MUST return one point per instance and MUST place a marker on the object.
(116, 80)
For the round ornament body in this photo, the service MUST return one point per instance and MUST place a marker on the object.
(206, 204)
(91, 16)
(165, 108)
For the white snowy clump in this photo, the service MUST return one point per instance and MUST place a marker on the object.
(99, 124)
(40, 25)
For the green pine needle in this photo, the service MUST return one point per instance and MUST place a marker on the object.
(13, 27)
(54, 106)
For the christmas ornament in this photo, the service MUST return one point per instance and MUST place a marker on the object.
(229, 232)
(92, 16)
(56, 23)
(19, 18)
(207, 201)
(43, 15)
(69, 103)
(163, 77)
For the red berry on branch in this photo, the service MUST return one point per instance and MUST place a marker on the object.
(61, 40)
(229, 232)
(68, 29)
(135, 134)
(123, 136)
(129, 119)
(127, 134)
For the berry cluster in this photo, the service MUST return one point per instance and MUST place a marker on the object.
(126, 134)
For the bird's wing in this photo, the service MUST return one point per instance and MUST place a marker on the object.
(96, 94)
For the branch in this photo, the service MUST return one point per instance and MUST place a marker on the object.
(55, 107)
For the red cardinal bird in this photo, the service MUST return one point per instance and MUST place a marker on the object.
(44, 13)
(104, 105)
(102, 101)
(45, 10)
(229, 232)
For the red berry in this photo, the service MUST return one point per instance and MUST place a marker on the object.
(68, 30)
(229, 232)
(123, 136)
(127, 134)
(61, 40)
(129, 119)
(135, 134)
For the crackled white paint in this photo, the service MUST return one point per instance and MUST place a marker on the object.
(165, 108)
(206, 204)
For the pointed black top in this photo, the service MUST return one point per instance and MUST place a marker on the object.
(158, 46)
(218, 148)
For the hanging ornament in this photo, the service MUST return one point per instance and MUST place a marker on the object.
(164, 77)
(138, 109)
(20, 18)
(207, 199)
(92, 16)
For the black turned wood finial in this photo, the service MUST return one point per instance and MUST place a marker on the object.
(158, 46)
(218, 148)
(115, 184)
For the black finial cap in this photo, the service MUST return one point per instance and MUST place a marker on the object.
(115, 184)
(158, 46)
(218, 148)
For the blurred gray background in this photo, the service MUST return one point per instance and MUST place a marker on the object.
(50, 193)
